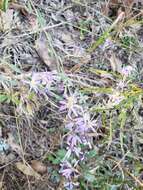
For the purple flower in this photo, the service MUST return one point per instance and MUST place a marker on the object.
(70, 126)
(107, 44)
(42, 81)
(126, 71)
(67, 170)
(35, 82)
(67, 173)
(77, 151)
(85, 124)
(121, 85)
(80, 121)
(70, 105)
(73, 140)
(69, 185)
(81, 129)
(115, 99)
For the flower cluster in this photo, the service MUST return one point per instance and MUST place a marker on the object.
(78, 124)
(115, 99)
(78, 121)
(127, 70)
(42, 82)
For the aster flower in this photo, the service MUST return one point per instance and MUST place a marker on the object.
(67, 173)
(70, 104)
(108, 44)
(42, 81)
(70, 125)
(81, 127)
(77, 151)
(85, 124)
(67, 170)
(73, 140)
(90, 123)
(69, 185)
(121, 85)
(79, 123)
(115, 99)
(35, 82)
(49, 78)
(126, 71)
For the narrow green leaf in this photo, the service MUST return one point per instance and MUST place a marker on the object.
(100, 41)
(3, 98)
(89, 177)
(91, 154)
(97, 90)
(61, 153)
(5, 5)
(15, 68)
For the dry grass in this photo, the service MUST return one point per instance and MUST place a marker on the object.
(40, 36)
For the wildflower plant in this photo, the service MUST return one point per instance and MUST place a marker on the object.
(42, 82)
(84, 122)
(80, 123)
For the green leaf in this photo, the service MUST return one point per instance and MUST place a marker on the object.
(3, 98)
(56, 161)
(101, 90)
(89, 177)
(15, 68)
(83, 185)
(15, 100)
(5, 5)
(100, 41)
(122, 118)
(50, 157)
(91, 154)
(114, 187)
(61, 153)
